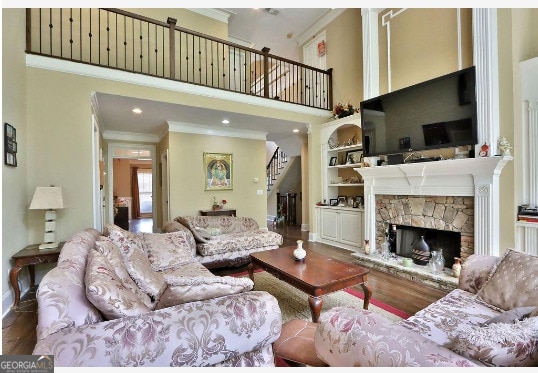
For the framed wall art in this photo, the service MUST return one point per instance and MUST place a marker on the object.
(218, 171)
(10, 145)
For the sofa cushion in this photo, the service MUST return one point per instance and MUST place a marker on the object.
(167, 250)
(499, 344)
(513, 282)
(107, 292)
(239, 241)
(113, 255)
(183, 289)
(511, 316)
(138, 264)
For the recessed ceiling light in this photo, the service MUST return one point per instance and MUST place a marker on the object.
(137, 110)
(225, 121)
(296, 130)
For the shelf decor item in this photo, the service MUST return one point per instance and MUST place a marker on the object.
(367, 247)
(343, 110)
(421, 252)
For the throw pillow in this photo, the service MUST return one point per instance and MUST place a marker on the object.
(113, 255)
(187, 223)
(167, 250)
(183, 289)
(138, 264)
(513, 282)
(106, 291)
(499, 344)
(511, 316)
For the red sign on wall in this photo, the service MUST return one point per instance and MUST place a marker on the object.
(322, 48)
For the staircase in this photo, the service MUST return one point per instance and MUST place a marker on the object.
(275, 166)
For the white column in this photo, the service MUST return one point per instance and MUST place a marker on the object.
(370, 52)
(533, 153)
(485, 55)
(369, 212)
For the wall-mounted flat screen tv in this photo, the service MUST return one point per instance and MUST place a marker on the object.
(438, 113)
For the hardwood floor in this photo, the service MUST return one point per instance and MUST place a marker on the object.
(19, 334)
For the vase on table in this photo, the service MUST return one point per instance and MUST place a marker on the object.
(420, 252)
(299, 253)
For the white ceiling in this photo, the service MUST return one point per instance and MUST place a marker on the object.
(256, 27)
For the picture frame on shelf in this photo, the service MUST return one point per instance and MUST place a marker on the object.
(333, 202)
(342, 201)
(353, 156)
(332, 161)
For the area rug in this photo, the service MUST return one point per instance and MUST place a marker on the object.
(294, 303)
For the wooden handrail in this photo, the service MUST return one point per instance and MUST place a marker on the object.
(122, 40)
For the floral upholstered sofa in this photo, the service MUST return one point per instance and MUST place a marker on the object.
(224, 240)
(126, 299)
(491, 319)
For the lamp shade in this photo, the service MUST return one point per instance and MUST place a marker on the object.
(47, 198)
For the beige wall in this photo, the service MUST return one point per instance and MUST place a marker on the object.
(16, 192)
(423, 45)
(187, 174)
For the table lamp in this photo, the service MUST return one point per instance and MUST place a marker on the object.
(49, 199)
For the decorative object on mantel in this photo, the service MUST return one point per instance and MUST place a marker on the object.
(421, 252)
(504, 146)
(484, 150)
(343, 110)
(367, 247)
(437, 262)
(216, 205)
(299, 253)
(456, 267)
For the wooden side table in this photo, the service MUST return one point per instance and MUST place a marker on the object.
(30, 256)
(218, 212)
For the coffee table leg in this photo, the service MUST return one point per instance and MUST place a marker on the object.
(251, 271)
(367, 289)
(315, 307)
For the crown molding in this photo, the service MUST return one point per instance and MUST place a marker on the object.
(130, 136)
(215, 131)
(322, 22)
(217, 14)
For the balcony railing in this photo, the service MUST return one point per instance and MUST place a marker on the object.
(125, 41)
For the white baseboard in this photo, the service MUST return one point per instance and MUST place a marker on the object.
(9, 297)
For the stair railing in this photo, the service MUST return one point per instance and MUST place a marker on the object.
(276, 164)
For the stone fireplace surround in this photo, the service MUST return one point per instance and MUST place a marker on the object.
(451, 185)
(444, 213)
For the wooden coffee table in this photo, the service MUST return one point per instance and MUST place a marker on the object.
(315, 275)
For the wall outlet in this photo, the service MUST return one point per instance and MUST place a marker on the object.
(259, 192)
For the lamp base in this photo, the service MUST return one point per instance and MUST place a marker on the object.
(49, 245)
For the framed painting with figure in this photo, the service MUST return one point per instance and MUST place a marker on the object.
(218, 171)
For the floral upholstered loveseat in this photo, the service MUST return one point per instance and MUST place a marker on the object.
(224, 240)
(128, 299)
(491, 319)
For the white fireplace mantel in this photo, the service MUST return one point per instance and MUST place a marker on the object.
(478, 177)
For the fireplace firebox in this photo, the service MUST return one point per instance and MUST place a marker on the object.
(406, 236)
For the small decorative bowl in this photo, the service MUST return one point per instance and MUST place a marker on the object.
(407, 262)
